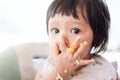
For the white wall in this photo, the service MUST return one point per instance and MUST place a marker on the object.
(24, 21)
(114, 41)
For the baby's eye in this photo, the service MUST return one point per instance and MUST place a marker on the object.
(55, 30)
(75, 30)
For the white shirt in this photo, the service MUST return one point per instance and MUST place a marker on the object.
(101, 69)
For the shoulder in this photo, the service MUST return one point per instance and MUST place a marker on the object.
(41, 62)
(102, 63)
(38, 63)
(43, 66)
(101, 69)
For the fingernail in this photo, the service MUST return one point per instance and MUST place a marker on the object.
(85, 43)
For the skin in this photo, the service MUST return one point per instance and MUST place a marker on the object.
(66, 35)
(65, 31)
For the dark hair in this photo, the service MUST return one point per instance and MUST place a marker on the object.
(97, 16)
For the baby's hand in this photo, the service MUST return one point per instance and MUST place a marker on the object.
(69, 59)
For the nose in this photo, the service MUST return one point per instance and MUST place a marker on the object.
(64, 39)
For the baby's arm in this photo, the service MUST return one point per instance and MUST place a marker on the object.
(38, 76)
(53, 75)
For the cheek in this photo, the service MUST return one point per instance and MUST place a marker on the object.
(51, 38)
(89, 37)
(71, 39)
(52, 44)
(90, 40)
(52, 41)
(86, 53)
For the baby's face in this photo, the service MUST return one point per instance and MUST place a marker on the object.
(67, 29)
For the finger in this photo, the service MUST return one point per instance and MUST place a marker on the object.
(86, 62)
(76, 41)
(74, 46)
(80, 50)
(83, 62)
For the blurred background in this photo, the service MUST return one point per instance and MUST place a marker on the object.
(24, 21)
